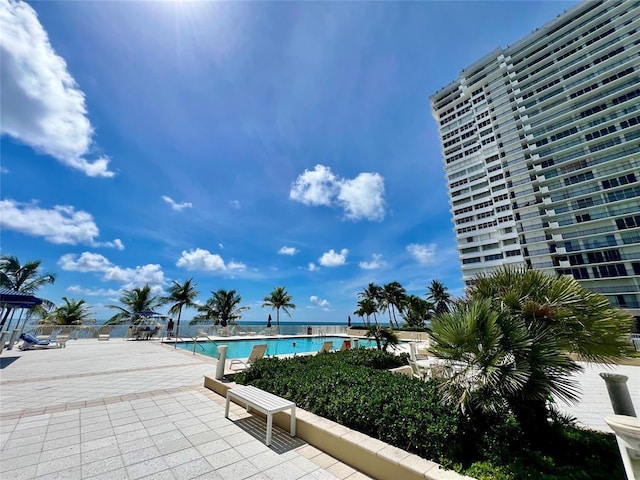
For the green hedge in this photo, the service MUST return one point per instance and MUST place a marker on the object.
(354, 389)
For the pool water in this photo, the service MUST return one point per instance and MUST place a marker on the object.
(275, 346)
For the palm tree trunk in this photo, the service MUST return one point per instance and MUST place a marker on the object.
(175, 344)
(278, 319)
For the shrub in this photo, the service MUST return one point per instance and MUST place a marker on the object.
(350, 388)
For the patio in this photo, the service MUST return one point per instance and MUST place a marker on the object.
(135, 410)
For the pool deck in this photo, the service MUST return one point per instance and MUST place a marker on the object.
(133, 410)
(130, 410)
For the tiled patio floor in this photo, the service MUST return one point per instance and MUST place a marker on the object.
(132, 410)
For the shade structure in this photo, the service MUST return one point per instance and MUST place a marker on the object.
(147, 313)
(269, 321)
(12, 299)
(348, 320)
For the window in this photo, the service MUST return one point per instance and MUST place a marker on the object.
(513, 253)
(585, 217)
(607, 271)
(497, 256)
(628, 222)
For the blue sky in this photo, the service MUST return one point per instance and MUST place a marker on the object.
(247, 145)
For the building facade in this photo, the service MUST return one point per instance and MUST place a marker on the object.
(541, 145)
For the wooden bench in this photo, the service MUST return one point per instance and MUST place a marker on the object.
(264, 402)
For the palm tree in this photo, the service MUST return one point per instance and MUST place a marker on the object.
(372, 293)
(515, 332)
(383, 337)
(392, 298)
(416, 311)
(366, 307)
(222, 307)
(279, 299)
(181, 296)
(135, 301)
(437, 293)
(25, 279)
(72, 312)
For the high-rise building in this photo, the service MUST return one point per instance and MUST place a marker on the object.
(541, 144)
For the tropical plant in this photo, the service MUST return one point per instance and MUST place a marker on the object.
(437, 293)
(25, 279)
(366, 307)
(515, 333)
(72, 312)
(279, 299)
(392, 297)
(135, 301)
(223, 307)
(383, 337)
(181, 295)
(372, 294)
(416, 311)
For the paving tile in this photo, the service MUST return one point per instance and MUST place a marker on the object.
(58, 464)
(141, 455)
(341, 470)
(182, 456)
(117, 474)
(195, 468)
(99, 454)
(24, 473)
(238, 471)
(146, 468)
(101, 466)
(58, 452)
(134, 445)
(71, 473)
(222, 459)
(213, 447)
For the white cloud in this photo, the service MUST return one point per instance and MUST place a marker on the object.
(317, 187)
(220, 246)
(376, 262)
(333, 258)
(322, 303)
(61, 224)
(42, 105)
(177, 206)
(94, 292)
(312, 267)
(86, 262)
(423, 253)
(361, 197)
(288, 251)
(200, 259)
(139, 276)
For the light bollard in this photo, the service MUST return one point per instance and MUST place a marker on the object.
(355, 343)
(222, 358)
(619, 393)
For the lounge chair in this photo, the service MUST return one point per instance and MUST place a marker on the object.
(104, 333)
(326, 347)
(346, 345)
(62, 337)
(418, 371)
(257, 352)
(30, 342)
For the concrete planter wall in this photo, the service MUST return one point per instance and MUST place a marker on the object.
(362, 452)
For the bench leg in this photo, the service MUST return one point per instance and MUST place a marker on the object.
(269, 428)
(293, 421)
(226, 407)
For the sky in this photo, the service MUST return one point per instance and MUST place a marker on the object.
(246, 145)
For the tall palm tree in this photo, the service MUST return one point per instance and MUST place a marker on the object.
(72, 312)
(135, 301)
(366, 307)
(516, 331)
(223, 307)
(417, 310)
(181, 296)
(372, 293)
(392, 298)
(279, 299)
(25, 279)
(437, 293)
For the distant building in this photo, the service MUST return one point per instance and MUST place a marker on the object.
(541, 144)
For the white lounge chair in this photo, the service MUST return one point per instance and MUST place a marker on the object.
(257, 352)
(104, 333)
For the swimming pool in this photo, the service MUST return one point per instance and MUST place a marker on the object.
(275, 346)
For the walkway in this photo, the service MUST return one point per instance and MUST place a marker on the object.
(136, 410)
